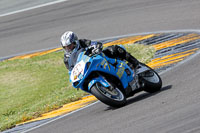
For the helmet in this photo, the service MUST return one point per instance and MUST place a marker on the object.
(67, 40)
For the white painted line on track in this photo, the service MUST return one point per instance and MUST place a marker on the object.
(145, 33)
(34, 7)
(59, 118)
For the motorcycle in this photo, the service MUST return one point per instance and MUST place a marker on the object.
(110, 80)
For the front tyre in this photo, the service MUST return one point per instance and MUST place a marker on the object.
(111, 96)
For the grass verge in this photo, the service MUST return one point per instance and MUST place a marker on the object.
(31, 87)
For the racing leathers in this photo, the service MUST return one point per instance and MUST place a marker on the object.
(114, 51)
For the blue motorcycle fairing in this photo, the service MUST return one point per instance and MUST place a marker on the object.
(93, 61)
(102, 63)
(98, 79)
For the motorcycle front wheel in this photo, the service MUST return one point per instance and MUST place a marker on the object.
(111, 96)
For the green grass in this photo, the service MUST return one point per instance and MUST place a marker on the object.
(143, 53)
(31, 87)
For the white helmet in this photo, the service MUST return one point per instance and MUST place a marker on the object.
(68, 38)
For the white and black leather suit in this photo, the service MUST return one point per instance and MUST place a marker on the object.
(114, 51)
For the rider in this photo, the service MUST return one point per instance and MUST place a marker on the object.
(71, 45)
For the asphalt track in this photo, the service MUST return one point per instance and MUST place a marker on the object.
(94, 19)
(174, 109)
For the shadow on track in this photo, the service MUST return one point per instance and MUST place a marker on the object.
(141, 97)
(146, 95)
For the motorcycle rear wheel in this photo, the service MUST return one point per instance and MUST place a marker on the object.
(152, 81)
(113, 97)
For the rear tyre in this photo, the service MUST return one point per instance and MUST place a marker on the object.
(111, 96)
(152, 81)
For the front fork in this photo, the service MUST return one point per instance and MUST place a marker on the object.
(99, 79)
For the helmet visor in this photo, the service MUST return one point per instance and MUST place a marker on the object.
(69, 48)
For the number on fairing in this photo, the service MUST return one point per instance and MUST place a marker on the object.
(77, 70)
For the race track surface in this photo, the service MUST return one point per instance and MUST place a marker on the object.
(8, 7)
(94, 19)
(174, 109)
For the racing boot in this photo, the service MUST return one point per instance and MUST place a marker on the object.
(132, 60)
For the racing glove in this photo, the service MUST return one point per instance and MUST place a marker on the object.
(96, 48)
